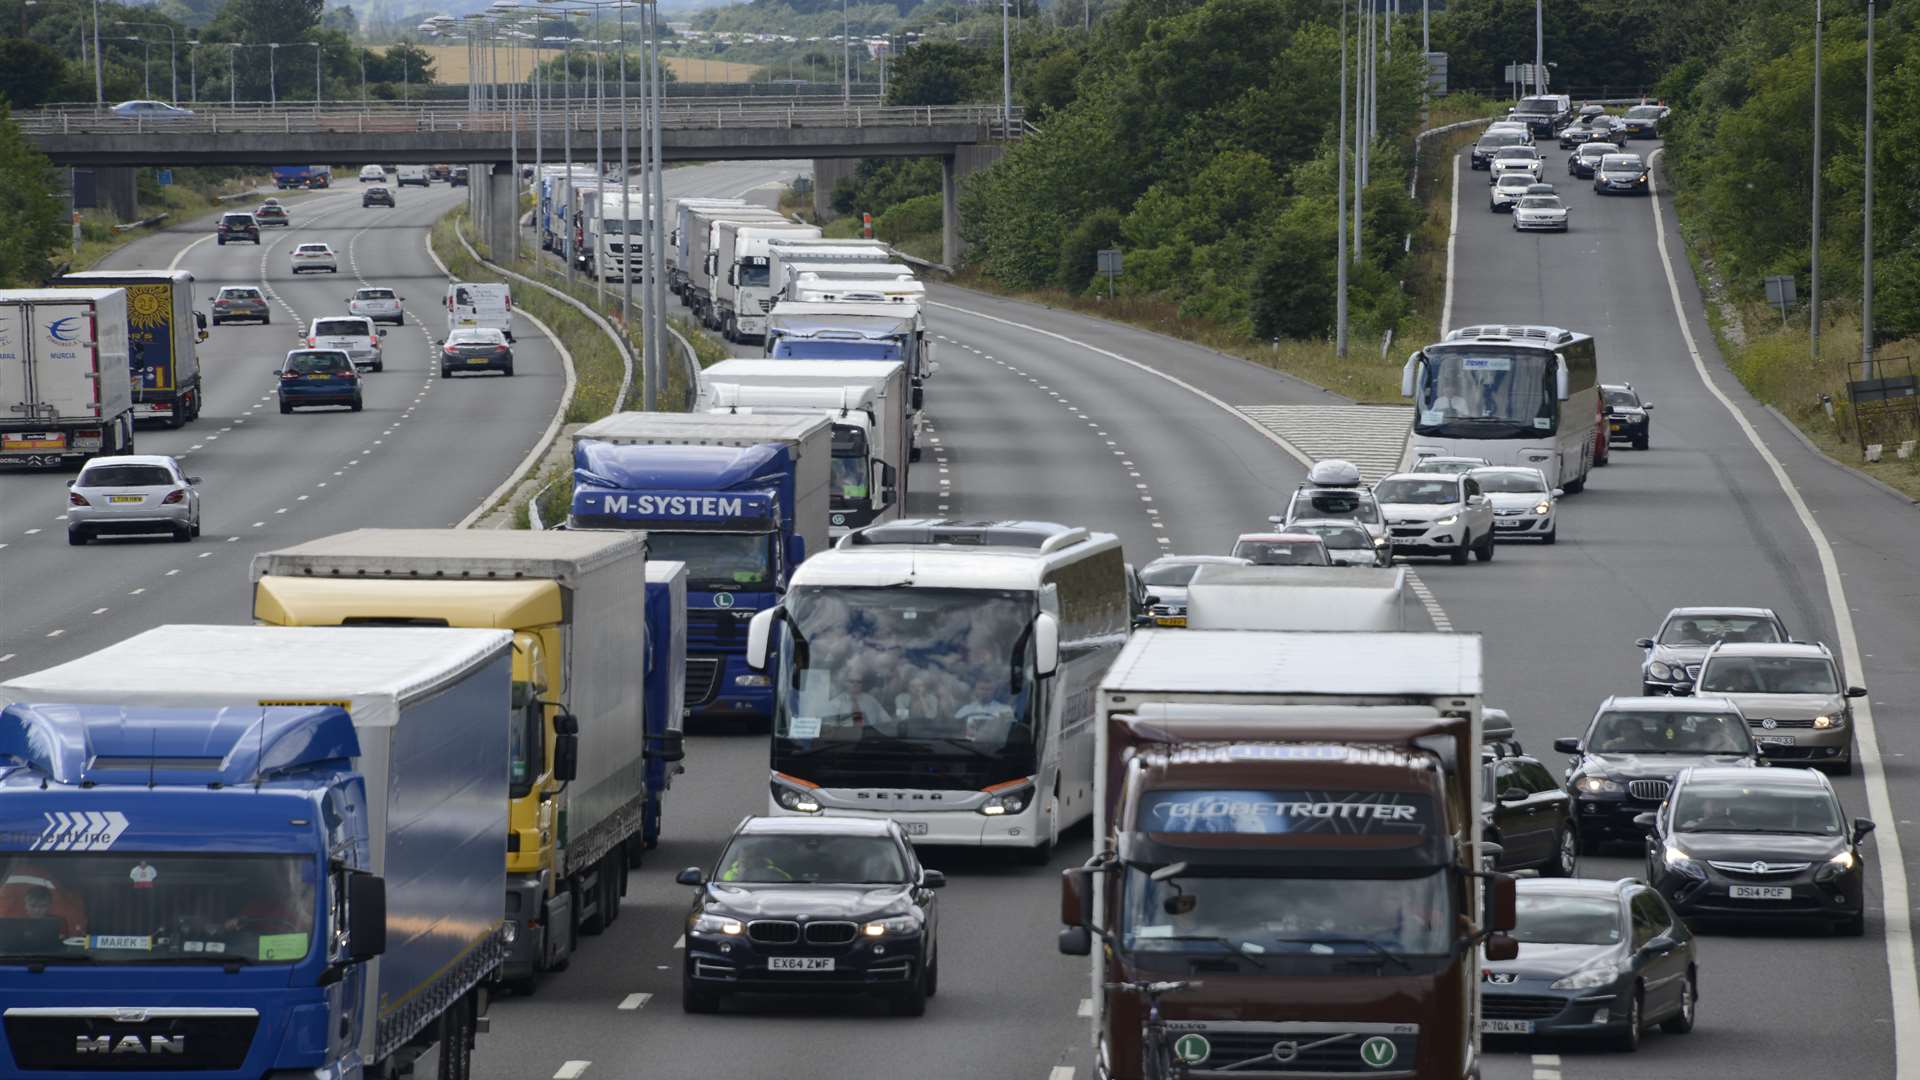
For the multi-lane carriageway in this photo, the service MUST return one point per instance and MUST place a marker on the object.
(1045, 414)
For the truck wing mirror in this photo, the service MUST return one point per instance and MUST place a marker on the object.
(889, 488)
(1179, 904)
(566, 747)
(366, 916)
(1076, 941)
(760, 638)
(1500, 947)
(1046, 645)
(1502, 902)
(919, 398)
(1075, 885)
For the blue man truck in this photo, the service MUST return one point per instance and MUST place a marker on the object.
(253, 852)
(739, 499)
(666, 684)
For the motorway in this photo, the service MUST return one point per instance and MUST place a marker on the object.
(1049, 414)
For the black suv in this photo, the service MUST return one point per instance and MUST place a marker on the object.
(810, 905)
(1624, 765)
(236, 227)
(376, 196)
(1628, 417)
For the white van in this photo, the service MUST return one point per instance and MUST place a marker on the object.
(412, 174)
(487, 305)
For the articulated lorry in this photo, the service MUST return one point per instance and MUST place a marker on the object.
(1227, 597)
(858, 332)
(676, 222)
(619, 225)
(576, 605)
(741, 500)
(551, 218)
(666, 686)
(302, 176)
(700, 244)
(784, 252)
(1289, 821)
(866, 401)
(265, 853)
(64, 389)
(163, 330)
(826, 284)
(742, 296)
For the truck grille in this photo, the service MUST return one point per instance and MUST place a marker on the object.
(1314, 1053)
(1520, 1006)
(703, 679)
(1648, 790)
(159, 1040)
(774, 932)
(715, 628)
(830, 933)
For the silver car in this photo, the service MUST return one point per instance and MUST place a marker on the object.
(1347, 543)
(1793, 696)
(351, 334)
(134, 493)
(1523, 504)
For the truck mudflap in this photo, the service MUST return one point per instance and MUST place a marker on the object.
(401, 1020)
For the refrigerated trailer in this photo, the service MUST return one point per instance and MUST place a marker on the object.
(65, 392)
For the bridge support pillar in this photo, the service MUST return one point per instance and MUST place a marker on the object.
(949, 211)
(115, 187)
(498, 211)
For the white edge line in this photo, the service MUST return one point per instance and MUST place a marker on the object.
(547, 437)
(1453, 235)
(427, 242)
(182, 253)
(1898, 939)
(1060, 1072)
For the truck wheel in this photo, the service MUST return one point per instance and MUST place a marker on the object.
(178, 417)
(596, 922)
(456, 1041)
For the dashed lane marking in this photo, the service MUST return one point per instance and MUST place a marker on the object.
(1060, 1072)
(572, 1070)
(635, 1001)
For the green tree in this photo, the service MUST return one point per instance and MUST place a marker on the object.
(268, 20)
(35, 216)
(31, 73)
(937, 73)
(1079, 256)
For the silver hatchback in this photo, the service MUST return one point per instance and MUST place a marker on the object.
(134, 493)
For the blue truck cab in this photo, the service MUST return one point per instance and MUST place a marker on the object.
(739, 499)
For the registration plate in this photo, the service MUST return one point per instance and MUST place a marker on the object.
(914, 828)
(1615, 426)
(476, 359)
(1169, 620)
(1506, 1027)
(1776, 740)
(1499, 523)
(1759, 892)
(799, 963)
(123, 498)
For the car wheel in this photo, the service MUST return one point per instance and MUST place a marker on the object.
(182, 533)
(77, 537)
(1460, 554)
(1550, 535)
(1854, 927)
(933, 974)
(1682, 1022)
(695, 1000)
(266, 320)
(1628, 1039)
(913, 1000)
(357, 404)
(1566, 854)
(195, 527)
(1485, 551)
(508, 371)
(285, 408)
(379, 365)
(1640, 443)
(446, 373)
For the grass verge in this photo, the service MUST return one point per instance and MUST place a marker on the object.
(180, 202)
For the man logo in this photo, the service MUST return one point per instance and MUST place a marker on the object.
(129, 1044)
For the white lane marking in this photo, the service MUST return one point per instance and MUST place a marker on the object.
(99, 611)
(9, 656)
(170, 573)
(138, 591)
(1428, 601)
(182, 254)
(572, 1070)
(206, 554)
(1551, 1061)
(55, 633)
(680, 942)
(635, 1001)
(1086, 1006)
(1901, 977)
(30, 532)
(1060, 1072)
(1453, 235)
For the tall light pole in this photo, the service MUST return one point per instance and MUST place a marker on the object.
(846, 57)
(1359, 125)
(233, 75)
(1006, 62)
(99, 70)
(1813, 293)
(1340, 198)
(1539, 47)
(656, 300)
(1866, 229)
(193, 69)
(173, 60)
(273, 91)
(316, 76)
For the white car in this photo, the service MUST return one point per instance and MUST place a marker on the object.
(1543, 213)
(132, 493)
(373, 174)
(1513, 127)
(351, 334)
(1514, 159)
(1435, 514)
(1438, 463)
(1282, 549)
(314, 257)
(1507, 191)
(1523, 504)
(378, 304)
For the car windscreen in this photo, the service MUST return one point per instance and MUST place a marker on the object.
(1526, 152)
(1621, 399)
(1617, 163)
(318, 363)
(1502, 138)
(773, 858)
(1280, 553)
(237, 221)
(476, 338)
(124, 476)
(1588, 150)
(1678, 732)
(1514, 182)
(1540, 202)
(1712, 629)
(1768, 675)
(340, 328)
(1336, 503)
(1510, 483)
(239, 294)
(1710, 806)
(311, 249)
(1644, 112)
(1549, 919)
(1435, 492)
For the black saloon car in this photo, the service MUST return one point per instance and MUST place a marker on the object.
(379, 195)
(1529, 815)
(1632, 750)
(1628, 417)
(475, 349)
(1597, 958)
(810, 905)
(1759, 845)
(1673, 656)
(1623, 174)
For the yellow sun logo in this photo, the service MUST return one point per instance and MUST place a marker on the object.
(148, 305)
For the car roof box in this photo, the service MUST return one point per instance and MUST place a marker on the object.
(1334, 472)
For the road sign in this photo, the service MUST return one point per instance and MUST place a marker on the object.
(1781, 292)
(1106, 262)
(1437, 72)
(163, 177)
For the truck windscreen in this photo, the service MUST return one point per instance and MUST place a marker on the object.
(134, 908)
(717, 560)
(1264, 915)
(906, 686)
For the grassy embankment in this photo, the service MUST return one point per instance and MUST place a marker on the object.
(180, 201)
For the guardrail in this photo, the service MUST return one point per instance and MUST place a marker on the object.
(292, 119)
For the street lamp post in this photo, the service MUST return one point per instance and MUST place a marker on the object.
(273, 91)
(1866, 231)
(656, 299)
(1006, 62)
(1340, 198)
(193, 69)
(173, 59)
(1539, 47)
(99, 70)
(1813, 293)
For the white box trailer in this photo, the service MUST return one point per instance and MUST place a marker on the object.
(742, 294)
(676, 222)
(701, 239)
(65, 387)
(1228, 597)
(784, 252)
(800, 331)
(163, 332)
(430, 708)
(826, 288)
(868, 403)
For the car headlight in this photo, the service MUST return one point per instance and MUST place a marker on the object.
(895, 924)
(1448, 520)
(796, 799)
(1681, 862)
(1636, 418)
(1543, 508)
(1008, 802)
(1587, 978)
(1598, 785)
(1660, 671)
(1379, 541)
(716, 924)
(1844, 860)
(1827, 722)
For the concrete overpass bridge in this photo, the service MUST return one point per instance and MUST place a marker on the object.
(489, 141)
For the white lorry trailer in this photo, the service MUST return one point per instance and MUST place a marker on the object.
(65, 388)
(1228, 597)
(856, 332)
(741, 288)
(867, 403)
(676, 222)
(784, 252)
(701, 237)
(830, 288)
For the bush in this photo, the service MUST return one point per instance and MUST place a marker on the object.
(1079, 255)
(914, 217)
